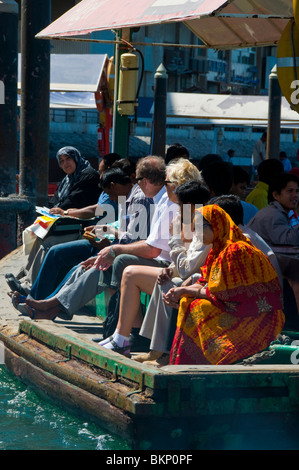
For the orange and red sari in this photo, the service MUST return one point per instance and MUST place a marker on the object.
(243, 312)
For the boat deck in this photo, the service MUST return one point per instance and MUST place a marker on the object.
(193, 407)
(85, 323)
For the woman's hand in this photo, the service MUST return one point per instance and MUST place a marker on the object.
(165, 275)
(56, 211)
(172, 297)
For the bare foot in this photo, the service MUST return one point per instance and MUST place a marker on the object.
(38, 314)
(43, 305)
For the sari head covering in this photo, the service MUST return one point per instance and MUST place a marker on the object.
(242, 314)
(69, 180)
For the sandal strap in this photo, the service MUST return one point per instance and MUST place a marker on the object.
(120, 349)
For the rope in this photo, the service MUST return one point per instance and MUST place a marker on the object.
(260, 357)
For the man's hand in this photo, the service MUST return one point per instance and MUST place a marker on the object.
(104, 259)
(88, 263)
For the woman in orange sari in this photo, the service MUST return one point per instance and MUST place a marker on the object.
(235, 309)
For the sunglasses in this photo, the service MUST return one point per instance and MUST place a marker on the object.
(168, 182)
(139, 179)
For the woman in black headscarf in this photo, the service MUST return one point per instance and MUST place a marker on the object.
(80, 187)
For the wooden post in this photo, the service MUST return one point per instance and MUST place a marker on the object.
(273, 133)
(158, 139)
(8, 118)
(35, 96)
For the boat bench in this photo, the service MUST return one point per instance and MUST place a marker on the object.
(99, 304)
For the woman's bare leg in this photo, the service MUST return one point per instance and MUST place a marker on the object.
(135, 279)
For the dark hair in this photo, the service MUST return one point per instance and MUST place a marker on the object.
(218, 177)
(126, 165)
(192, 192)
(208, 160)
(240, 175)
(283, 154)
(279, 183)
(110, 158)
(176, 151)
(114, 175)
(232, 205)
(269, 169)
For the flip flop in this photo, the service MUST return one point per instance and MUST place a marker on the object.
(17, 298)
(26, 310)
(14, 284)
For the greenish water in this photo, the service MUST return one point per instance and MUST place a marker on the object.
(28, 422)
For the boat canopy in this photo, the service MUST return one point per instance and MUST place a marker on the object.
(219, 24)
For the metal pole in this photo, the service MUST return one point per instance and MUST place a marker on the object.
(120, 123)
(35, 96)
(274, 113)
(8, 118)
(115, 92)
(158, 139)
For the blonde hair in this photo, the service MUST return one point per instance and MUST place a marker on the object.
(182, 170)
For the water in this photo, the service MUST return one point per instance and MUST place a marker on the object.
(28, 422)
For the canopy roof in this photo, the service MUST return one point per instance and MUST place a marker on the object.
(225, 110)
(218, 23)
(74, 72)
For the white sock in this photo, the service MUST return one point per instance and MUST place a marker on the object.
(118, 339)
(107, 340)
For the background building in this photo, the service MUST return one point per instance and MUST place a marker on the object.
(190, 70)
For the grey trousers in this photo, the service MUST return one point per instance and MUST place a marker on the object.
(83, 286)
(157, 320)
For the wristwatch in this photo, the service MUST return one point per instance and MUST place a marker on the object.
(112, 252)
(66, 212)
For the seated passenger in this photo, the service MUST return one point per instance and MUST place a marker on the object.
(267, 171)
(275, 225)
(78, 195)
(79, 188)
(235, 309)
(160, 317)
